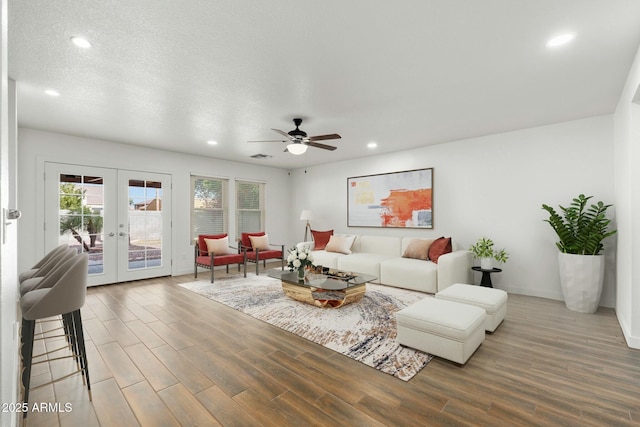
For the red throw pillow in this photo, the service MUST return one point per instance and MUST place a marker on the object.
(202, 245)
(439, 247)
(321, 238)
(246, 242)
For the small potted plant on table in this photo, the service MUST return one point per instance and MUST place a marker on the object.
(483, 249)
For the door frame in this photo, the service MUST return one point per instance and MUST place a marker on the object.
(41, 218)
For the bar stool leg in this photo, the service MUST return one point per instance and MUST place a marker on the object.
(27, 334)
(79, 334)
(70, 332)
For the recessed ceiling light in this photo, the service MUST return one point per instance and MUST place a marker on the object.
(52, 92)
(372, 145)
(212, 142)
(80, 42)
(560, 40)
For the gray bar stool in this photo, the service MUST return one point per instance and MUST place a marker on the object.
(46, 275)
(65, 297)
(34, 270)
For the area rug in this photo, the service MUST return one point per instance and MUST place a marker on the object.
(364, 331)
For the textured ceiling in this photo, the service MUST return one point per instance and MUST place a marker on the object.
(174, 74)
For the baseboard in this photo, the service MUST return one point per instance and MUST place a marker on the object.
(632, 342)
(183, 272)
(535, 293)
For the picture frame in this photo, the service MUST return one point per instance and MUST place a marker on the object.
(391, 200)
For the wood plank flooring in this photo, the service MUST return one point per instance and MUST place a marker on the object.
(160, 355)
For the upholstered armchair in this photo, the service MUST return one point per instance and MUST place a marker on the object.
(258, 248)
(213, 250)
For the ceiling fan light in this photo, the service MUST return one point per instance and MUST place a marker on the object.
(297, 148)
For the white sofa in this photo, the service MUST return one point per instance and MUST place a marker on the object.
(381, 256)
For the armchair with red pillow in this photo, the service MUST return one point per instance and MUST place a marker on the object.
(257, 248)
(213, 250)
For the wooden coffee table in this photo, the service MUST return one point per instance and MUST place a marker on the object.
(333, 289)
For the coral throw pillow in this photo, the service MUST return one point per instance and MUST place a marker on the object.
(218, 246)
(439, 247)
(321, 238)
(418, 249)
(246, 242)
(202, 245)
(260, 242)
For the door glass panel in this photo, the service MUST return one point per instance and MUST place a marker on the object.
(145, 224)
(80, 213)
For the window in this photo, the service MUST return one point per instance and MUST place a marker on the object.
(209, 207)
(249, 206)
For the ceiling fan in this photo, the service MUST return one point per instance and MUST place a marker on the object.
(299, 141)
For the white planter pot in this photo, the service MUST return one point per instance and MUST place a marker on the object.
(581, 279)
(486, 263)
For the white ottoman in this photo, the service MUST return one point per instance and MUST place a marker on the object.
(447, 329)
(493, 301)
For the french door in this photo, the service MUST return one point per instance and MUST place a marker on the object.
(121, 218)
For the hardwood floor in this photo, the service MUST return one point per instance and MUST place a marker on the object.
(160, 355)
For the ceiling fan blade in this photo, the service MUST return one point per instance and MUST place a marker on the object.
(324, 137)
(323, 146)
(273, 140)
(283, 133)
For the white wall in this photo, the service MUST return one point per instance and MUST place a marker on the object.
(627, 179)
(36, 147)
(493, 186)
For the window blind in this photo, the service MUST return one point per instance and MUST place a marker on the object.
(208, 207)
(249, 206)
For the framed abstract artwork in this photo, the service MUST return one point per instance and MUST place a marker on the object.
(396, 199)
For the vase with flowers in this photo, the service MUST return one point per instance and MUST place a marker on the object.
(299, 260)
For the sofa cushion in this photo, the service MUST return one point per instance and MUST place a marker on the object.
(418, 249)
(384, 245)
(341, 244)
(220, 260)
(439, 247)
(321, 238)
(408, 273)
(326, 259)
(366, 263)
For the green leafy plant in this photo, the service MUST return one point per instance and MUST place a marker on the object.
(483, 248)
(581, 230)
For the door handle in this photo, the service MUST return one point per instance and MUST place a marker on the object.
(111, 234)
(122, 233)
(8, 215)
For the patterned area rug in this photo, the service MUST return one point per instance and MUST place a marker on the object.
(364, 331)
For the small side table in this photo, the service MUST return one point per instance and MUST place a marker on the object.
(486, 275)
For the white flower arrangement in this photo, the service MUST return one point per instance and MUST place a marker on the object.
(299, 259)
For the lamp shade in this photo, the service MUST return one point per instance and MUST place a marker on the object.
(306, 215)
(297, 148)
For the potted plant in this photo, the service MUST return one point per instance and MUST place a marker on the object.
(581, 231)
(483, 249)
